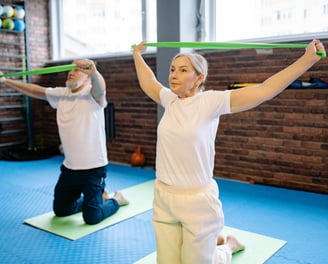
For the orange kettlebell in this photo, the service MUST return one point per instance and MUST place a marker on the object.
(137, 158)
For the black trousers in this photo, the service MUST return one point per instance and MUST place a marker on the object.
(81, 190)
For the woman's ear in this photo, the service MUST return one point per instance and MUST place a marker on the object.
(200, 79)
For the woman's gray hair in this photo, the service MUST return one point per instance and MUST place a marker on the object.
(198, 62)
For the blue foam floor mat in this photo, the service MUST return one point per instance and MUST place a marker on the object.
(26, 189)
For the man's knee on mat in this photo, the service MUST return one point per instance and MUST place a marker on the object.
(92, 217)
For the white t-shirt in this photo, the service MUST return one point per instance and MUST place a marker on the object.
(81, 125)
(186, 137)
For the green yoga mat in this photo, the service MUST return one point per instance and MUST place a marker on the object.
(73, 227)
(259, 248)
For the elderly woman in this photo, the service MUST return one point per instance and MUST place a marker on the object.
(187, 213)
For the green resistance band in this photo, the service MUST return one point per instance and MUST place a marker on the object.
(45, 70)
(228, 45)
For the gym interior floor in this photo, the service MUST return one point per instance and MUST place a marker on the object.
(26, 190)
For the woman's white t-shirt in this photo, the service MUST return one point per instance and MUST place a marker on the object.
(186, 137)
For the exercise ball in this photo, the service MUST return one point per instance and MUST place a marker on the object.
(7, 11)
(1, 10)
(0, 22)
(8, 24)
(19, 25)
(19, 12)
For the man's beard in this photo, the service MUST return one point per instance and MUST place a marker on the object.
(74, 85)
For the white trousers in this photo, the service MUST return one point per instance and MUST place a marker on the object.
(187, 222)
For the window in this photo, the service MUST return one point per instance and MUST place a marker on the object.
(109, 27)
(268, 20)
(99, 27)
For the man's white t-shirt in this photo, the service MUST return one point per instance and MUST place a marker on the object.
(81, 126)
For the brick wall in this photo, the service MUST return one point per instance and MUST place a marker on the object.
(283, 142)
